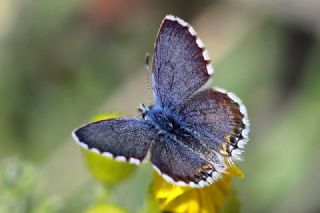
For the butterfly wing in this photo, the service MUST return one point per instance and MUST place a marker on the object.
(180, 165)
(124, 139)
(181, 65)
(218, 119)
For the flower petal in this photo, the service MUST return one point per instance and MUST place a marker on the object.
(172, 198)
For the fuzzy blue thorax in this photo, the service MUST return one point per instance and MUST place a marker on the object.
(163, 119)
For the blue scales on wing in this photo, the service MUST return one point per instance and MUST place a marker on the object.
(180, 64)
(125, 139)
(218, 119)
(181, 165)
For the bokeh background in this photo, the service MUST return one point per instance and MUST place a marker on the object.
(63, 62)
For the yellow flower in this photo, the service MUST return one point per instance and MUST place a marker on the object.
(210, 199)
(106, 170)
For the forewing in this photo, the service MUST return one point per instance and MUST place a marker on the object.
(124, 139)
(181, 65)
(218, 119)
(180, 165)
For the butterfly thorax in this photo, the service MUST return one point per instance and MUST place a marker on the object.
(163, 119)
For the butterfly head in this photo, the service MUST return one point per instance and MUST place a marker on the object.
(143, 109)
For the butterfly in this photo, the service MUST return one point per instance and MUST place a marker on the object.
(190, 132)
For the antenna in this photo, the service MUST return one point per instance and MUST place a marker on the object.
(147, 66)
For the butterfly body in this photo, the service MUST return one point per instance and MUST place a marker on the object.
(189, 133)
(164, 120)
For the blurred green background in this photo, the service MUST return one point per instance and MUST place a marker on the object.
(62, 62)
